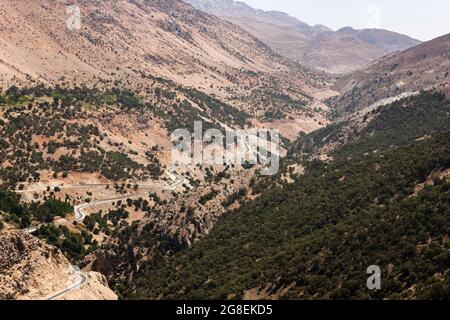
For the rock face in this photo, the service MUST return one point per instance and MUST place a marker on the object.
(95, 289)
(32, 270)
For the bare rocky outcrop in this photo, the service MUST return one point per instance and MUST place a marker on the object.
(33, 270)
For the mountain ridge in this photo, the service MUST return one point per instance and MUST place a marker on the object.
(423, 67)
(317, 46)
(126, 40)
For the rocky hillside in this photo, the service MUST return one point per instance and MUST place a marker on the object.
(318, 46)
(110, 152)
(123, 41)
(85, 118)
(423, 67)
(370, 192)
(236, 9)
(32, 270)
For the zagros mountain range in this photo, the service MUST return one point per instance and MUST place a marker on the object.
(94, 204)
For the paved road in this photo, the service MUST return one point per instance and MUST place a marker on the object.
(81, 281)
(80, 215)
(179, 179)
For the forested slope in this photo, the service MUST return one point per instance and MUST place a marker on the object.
(315, 238)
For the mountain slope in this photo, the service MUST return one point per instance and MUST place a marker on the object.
(122, 41)
(425, 66)
(315, 237)
(318, 46)
(385, 40)
(86, 116)
(237, 9)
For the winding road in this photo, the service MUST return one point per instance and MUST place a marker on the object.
(80, 215)
(82, 278)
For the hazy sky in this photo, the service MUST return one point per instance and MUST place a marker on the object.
(421, 19)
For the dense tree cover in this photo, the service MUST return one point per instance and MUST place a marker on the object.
(71, 96)
(309, 143)
(118, 166)
(50, 209)
(402, 122)
(317, 236)
(235, 196)
(322, 232)
(74, 245)
(393, 126)
(22, 214)
(9, 203)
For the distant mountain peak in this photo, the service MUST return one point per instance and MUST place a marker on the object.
(344, 50)
(346, 29)
(238, 9)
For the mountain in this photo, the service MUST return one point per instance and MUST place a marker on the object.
(87, 114)
(123, 41)
(370, 188)
(385, 40)
(237, 9)
(422, 67)
(313, 233)
(87, 176)
(317, 46)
